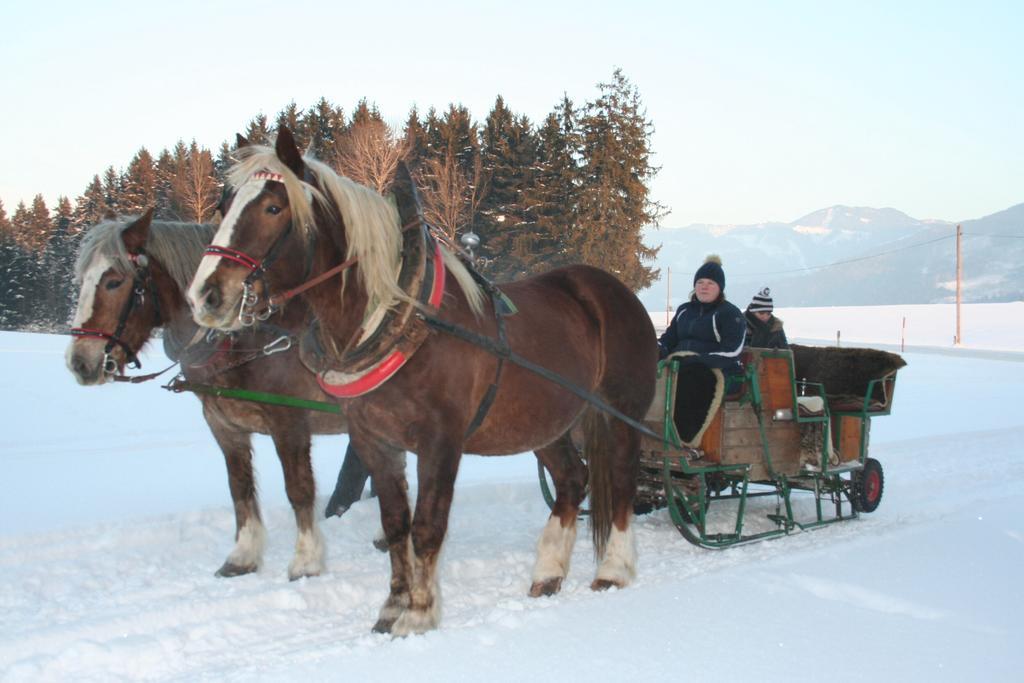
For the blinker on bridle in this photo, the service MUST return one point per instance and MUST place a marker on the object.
(141, 281)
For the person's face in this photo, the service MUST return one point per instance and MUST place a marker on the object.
(763, 316)
(707, 290)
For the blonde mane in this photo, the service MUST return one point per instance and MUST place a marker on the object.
(372, 229)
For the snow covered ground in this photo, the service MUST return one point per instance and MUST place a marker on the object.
(114, 515)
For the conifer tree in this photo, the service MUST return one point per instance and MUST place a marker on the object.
(90, 206)
(415, 138)
(38, 228)
(12, 277)
(113, 193)
(139, 184)
(291, 117)
(325, 123)
(258, 130)
(506, 224)
(432, 135)
(614, 204)
(57, 266)
(454, 134)
(16, 271)
(20, 224)
(554, 196)
(166, 169)
(223, 162)
(23, 232)
(364, 113)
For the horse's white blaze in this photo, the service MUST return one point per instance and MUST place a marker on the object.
(554, 550)
(619, 564)
(309, 554)
(225, 233)
(84, 311)
(90, 282)
(248, 550)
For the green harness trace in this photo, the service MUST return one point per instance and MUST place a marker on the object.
(797, 427)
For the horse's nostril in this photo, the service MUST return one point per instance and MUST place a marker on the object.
(78, 365)
(211, 295)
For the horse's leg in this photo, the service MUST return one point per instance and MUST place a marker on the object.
(618, 566)
(247, 554)
(554, 549)
(436, 471)
(380, 539)
(387, 467)
(291, 439)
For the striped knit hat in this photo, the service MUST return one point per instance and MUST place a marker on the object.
(762, 302)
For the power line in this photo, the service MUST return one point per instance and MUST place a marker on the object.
(986, 234)
(853, 260)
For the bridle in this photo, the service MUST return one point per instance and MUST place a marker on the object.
(142, 281)
(248, 313)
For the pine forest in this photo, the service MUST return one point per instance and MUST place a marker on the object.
(573, 188)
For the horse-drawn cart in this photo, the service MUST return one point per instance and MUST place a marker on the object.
(799, 426)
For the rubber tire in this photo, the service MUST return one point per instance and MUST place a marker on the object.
(868, 487)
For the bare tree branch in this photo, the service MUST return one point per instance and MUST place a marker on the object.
(368, 153)
(451, 197)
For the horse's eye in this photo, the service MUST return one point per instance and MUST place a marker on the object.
(114, 284)
(273, 209)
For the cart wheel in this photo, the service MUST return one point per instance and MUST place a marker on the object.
(868, 486)
(547, 488)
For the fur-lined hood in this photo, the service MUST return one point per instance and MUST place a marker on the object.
(773, 325)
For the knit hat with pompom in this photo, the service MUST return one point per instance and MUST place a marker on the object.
(712, 270)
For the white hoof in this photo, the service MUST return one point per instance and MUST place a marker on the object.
(248, 550)
(619, 564)
(554, 551)
(309, 555)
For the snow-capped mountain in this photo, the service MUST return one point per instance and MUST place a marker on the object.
(874, 256)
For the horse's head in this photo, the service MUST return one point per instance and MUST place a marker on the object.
(117, 301)
(261, 238)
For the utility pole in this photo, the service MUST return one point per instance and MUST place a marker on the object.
(668, 298)
(959, 277)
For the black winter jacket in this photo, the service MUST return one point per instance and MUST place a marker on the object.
(769, 335)
(714, 331)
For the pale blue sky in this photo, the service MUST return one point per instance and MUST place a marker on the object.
(763, 111)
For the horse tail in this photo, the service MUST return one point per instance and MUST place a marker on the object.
(598, 441)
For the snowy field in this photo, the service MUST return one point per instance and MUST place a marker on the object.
(115, 513)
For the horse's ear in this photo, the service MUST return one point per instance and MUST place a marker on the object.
(136, 234)
(241, 141)
(288, 151)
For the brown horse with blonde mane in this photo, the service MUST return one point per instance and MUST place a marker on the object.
(423, 389)
(132, 274)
